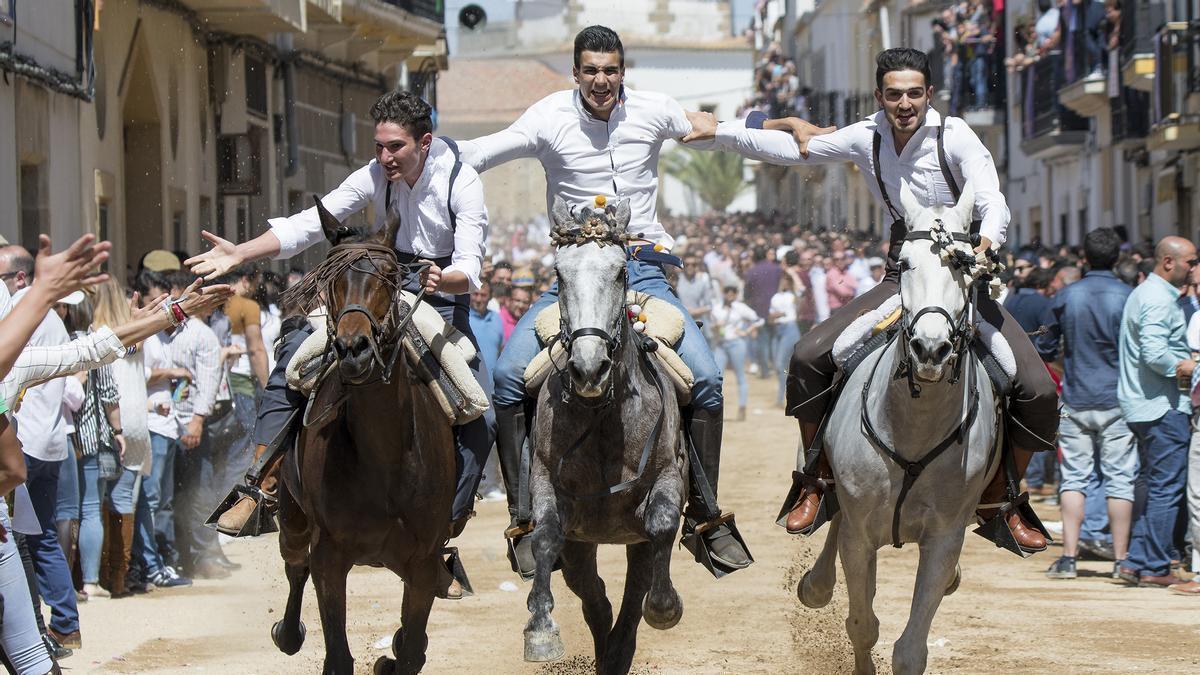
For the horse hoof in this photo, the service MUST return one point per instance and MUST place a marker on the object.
(288, 644)
(808, 597)
(662, 618)
(955, 581)
(542, 646)
(383, 666)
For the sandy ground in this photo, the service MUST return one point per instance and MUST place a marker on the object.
(749, 622)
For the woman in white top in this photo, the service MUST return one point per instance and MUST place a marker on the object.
(733, 322)
(787, 330)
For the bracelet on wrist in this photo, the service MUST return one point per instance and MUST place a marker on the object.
(118, 432)
(166, 308)
(178, 313)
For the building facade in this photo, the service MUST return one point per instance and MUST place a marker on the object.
(146, 121)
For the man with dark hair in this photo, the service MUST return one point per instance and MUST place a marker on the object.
(443, 221)
(604, 139)
(1084, 322)
(909, 142)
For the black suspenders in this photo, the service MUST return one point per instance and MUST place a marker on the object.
(955, 192)
(387, 195)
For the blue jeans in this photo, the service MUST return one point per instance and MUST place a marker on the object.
(91, 529)
(235, 460)
(1095, 508)
(67, 506)
(53, 575)
(195, 490)
(643, 277)
(786, 336)
(764, 341)
(979, 80)
(20, 638)
(1164, 446)
(733, 352)
(155, 508)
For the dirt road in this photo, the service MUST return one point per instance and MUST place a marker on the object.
(749, 622)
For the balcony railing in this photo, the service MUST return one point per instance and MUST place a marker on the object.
(1177, 53)
(1042, 113)
(1139, 26)
(1083, 46)
(434, 10)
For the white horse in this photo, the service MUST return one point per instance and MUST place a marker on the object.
(911, 440)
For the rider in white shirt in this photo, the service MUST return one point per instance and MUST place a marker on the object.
(907, 140)
(604, 139)
(443, 220)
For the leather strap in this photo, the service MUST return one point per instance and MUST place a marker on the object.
(876, 142)
(946, 173)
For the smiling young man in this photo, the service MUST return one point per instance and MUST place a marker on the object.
(442, 220)
(604, 138)
(907, 140)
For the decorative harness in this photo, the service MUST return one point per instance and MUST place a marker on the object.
(962, 333)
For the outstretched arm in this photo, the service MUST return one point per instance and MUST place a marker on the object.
(519, 140)
(804, 144)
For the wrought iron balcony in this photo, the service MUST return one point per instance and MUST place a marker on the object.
(1176, 96)
(1048, 128)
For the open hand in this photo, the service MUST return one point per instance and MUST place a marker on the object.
(218, 260)
(198, 298)
(60, 274)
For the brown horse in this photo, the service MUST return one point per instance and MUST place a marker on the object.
(372, 477)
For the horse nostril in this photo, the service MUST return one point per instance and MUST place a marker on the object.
(602, 370)
(942, 352)
(573, 370)
(339, 348)
(359, 346)
(918, 349)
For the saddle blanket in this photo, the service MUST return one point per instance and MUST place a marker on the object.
(872, 323)
(663, 322)
(438, 351)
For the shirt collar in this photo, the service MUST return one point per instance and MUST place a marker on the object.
(577, 99)
(1108, 274)
(1155, 279)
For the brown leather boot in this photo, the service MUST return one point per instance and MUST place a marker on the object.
(232, 521)
(804, 512)
(120, 553)
(1027, 537)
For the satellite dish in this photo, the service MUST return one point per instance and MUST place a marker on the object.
(472, 17)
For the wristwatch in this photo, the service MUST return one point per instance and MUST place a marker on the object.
(118, 432)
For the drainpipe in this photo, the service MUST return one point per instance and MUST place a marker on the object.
(289, 108)
(885, 34)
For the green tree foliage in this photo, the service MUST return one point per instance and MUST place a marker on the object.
(717, 178)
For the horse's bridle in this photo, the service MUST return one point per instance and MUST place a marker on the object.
(389, 330)
(566, 337)
(962, 328)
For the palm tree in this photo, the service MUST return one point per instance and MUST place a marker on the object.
(717, 178)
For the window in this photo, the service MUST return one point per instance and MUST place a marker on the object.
(239, 163)
(179, 230)
(256, 85)
(34, 218)
(102, 220)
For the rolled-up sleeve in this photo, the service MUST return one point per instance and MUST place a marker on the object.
(471, 230)
(298, 232)
(978, 169)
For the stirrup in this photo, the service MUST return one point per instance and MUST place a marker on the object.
(826, 508)
(454, 567)
(513, 536)
(997, 530)
(261, 520)
(694, 541)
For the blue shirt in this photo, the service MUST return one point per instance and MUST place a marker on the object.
(1153, 342)
(1029, 308)
(489, 333)
(1086, 318)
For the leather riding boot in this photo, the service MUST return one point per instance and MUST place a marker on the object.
(120, 552)
(68, 539)
(705, 428)
(804, 511)
(512, 430)
(1026, 536)
(233, 520)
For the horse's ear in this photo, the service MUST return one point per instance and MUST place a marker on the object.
(329, 224)
(908, 202)
(390, 229)
(966, 206)
(623, 214)
(561, 212)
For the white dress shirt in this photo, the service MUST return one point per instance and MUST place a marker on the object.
(917, 164)
(734, 320)
(424, 220)
(584, 156)
(41, 427)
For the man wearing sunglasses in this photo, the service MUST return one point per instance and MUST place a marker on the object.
(906, 141)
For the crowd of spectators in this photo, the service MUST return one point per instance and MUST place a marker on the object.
(966, 34)
(1091, 29)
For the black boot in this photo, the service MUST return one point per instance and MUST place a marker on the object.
(512, 430)
(703, 516)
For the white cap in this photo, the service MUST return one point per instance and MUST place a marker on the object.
(71, 298)
(875, 262)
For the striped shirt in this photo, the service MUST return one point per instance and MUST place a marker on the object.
(91, 422)
(194, 347)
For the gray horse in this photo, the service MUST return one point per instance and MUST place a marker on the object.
(608, 466)
(954, 413)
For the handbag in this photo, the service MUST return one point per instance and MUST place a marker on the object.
(223, 427)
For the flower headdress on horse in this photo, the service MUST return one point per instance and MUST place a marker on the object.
(603, 224)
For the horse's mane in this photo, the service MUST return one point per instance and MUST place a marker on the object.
(308, 293)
